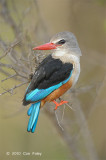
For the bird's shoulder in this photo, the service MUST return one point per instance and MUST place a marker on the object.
(50, 72)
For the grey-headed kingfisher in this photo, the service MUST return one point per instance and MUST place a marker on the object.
(57, 73)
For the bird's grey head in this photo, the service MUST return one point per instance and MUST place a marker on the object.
(67, 43)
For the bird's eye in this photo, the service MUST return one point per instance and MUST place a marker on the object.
(61, 42)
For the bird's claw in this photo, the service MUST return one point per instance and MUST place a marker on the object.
(59, 104)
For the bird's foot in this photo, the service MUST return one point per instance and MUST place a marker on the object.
(59, 104)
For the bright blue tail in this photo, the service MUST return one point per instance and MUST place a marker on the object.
(33, 112)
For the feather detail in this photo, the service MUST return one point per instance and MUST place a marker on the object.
(39, 94)
(33, 112)
(35, 123)
(30, 110)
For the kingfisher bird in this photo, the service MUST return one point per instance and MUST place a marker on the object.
(57, 73)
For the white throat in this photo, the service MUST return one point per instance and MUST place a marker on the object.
(59, 53)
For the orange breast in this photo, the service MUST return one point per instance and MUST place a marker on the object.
(57, 93)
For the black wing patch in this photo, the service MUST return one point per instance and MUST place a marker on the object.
(56, 77)
(50, 72)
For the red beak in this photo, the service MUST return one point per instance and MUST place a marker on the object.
(47, 46)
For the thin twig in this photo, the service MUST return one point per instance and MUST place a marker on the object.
(63, 112)
(9, 49)
(9, 77)
(58, 121)
(14, 68)
(69, 106)
(11, 89)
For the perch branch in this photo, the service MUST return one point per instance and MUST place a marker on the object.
(9, 77)
(9, 49)
(11, 89)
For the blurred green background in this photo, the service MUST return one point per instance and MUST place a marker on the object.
(87, 20)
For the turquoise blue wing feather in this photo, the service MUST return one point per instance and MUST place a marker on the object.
(33, 112)
(39, 94)
(30, 110)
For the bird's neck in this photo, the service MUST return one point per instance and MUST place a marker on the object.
(66, 57)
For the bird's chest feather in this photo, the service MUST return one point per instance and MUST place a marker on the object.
(58, 92)
(76, 73)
